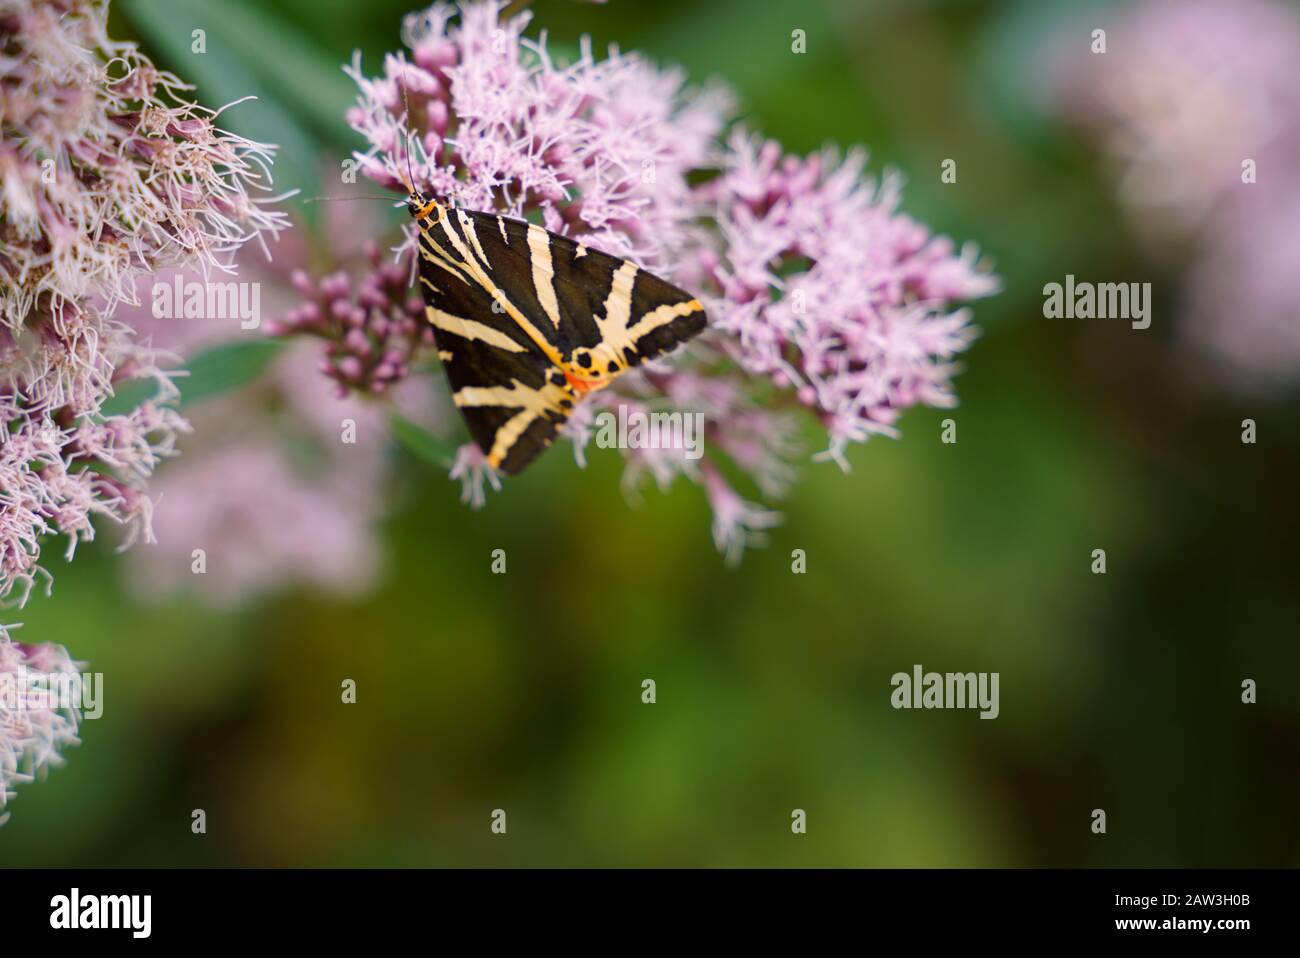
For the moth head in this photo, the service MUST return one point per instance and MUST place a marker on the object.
(419, 207)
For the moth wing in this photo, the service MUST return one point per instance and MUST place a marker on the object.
(511, 303)
(501, 381)
(588, 297)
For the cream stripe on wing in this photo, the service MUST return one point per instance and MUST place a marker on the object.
(436, 255)
(508, 435)
(539, 249)
(516, 395)
(533, 333)
(467, 227)
(618, 306)
(532, 403)
(662, 317)
(472, 329)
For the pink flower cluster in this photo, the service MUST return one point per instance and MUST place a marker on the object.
(278, 484)
(813, 280)
(278, 491)
(1189, 95)
(107, 168)
(48, 487)
(34, 725)
(600, 148)
(373, 332)
(107, 173)
(861, 328)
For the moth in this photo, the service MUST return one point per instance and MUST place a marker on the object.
(528, 322)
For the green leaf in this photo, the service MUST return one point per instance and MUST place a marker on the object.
(421, 443)
(226, 367)
(128, 396)
(212, 372)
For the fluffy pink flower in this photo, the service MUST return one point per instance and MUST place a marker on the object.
(813, 280)
(862, 328)
(1188, 91)
(374, 329)
(472, 470)
(278, 483)
(48, 488)
(1244, 290)
(34, 725)
(736, 523)
(278, 487)
(260, 525)
(600, 149)
(108, 173)
(108, 170)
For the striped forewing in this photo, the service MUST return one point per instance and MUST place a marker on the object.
(527, 321)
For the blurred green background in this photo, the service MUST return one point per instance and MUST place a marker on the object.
(522, 691)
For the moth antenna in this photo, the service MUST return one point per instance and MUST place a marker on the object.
(410, 173)
(341, 199)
